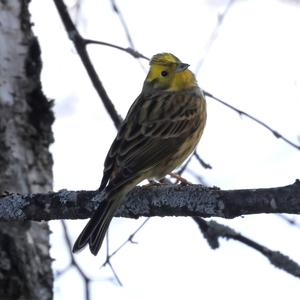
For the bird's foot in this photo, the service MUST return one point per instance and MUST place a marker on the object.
(180, 179)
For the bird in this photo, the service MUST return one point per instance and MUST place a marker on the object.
(161, 130)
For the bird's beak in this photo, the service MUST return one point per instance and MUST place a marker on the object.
(181, 67)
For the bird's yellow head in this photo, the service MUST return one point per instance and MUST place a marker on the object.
(167, 72)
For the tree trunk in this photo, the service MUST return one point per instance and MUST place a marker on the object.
(25, 161)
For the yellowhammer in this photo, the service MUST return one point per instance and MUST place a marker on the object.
(161, 129)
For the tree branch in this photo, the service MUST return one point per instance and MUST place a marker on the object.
(214, 35)
(128, 50)
(261, 123)
(86, 278)
(212, 231)
(123, 22)
(80, 45)
(164, 200)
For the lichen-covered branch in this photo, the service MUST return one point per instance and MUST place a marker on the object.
(164, 200)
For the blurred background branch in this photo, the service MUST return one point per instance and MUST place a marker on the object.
(212, 231)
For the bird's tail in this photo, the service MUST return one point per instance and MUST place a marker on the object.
(95, 230)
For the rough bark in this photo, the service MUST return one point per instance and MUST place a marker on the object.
(165, 200)
(25, 162)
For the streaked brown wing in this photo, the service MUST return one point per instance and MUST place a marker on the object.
(153, 131)
(109, 163)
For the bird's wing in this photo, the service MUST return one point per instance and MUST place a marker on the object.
(153, 131)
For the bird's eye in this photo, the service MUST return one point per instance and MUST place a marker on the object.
(164, 73)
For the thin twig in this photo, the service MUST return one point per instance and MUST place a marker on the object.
(183, 168)
(289, 220)
(130, 239)
(109, 256)
(213, 35)
(201, 161)
(125, 27)
(80, 46)
(128, 50)
(122, 20)
(74, 263)
(115, 274)
(212, 231)
(108, 262)
(242, 113)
